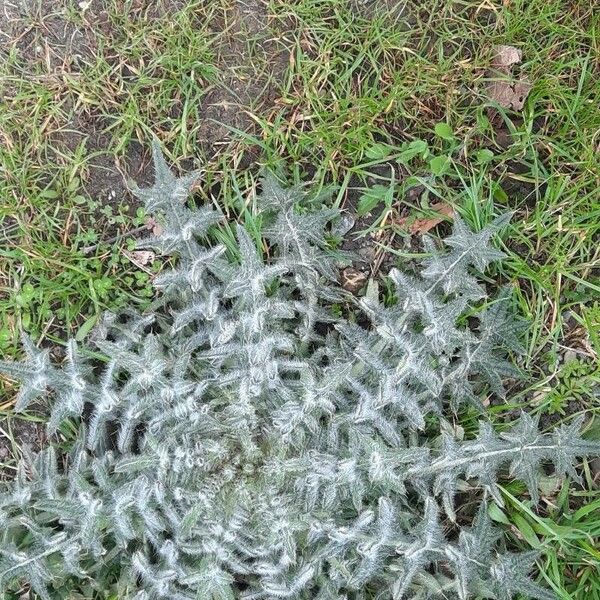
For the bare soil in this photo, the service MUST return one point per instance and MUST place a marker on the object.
(42, 31)
(28, 434)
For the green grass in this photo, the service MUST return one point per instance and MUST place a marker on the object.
(61, 128)
(360, 90)
(149, 74)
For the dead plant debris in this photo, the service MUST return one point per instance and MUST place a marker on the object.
(421, 226)
(503, 88)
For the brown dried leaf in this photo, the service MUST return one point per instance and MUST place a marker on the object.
(140, 258)
(509, 94)
(353, 280)
(421, 226)
(154, 226)
(505, 57)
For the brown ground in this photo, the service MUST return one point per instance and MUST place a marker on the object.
(29, 435)
(43, 31)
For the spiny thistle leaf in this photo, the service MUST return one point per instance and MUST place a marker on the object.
(246, 439)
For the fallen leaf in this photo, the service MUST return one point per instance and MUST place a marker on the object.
(140, 258)
(505, 57)
(343, 225)
(506, 91)
(154, 226)
(421, 226)
(508, 94)
(353, 280)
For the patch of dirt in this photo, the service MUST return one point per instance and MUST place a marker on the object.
(48, 41)
(368, 251)
(50, 47)
(42, 35)
(243, 91)
(27, 434)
